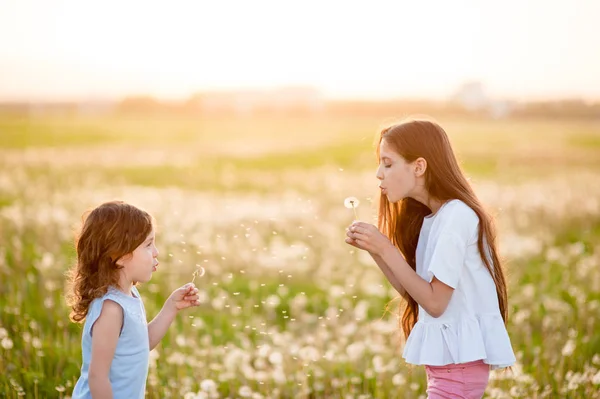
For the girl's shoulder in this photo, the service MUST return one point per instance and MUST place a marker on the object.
(457, 217)
(459, 212)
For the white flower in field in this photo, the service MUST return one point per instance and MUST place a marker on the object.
(154, 355)
(208, 386)
(49, 303)
(46, 262)
(3, 333)
(235, 359)
(398, 379)
(190, 395)
(261, 376)
(596, 378)
(278, 376)
(180, 340)
(245, 391)
(361, 309)
(521, 316)
(336, 291)
(569, 348)
(176, 358)
(260, 363)
(378, 364)
(299, 302)
(227, 376)
(496, 393)
(355, 350)
(218, 303)
(273, 301)
(6, 343)
(309, 353)
(349, 329)
(264, 350)
(276, 358)
(528, 291)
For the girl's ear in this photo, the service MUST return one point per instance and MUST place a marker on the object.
(121, 261)
(420, 166)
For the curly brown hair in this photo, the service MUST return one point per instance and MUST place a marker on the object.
(109, 232)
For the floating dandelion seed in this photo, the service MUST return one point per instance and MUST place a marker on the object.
(352, 202)
(198, 272)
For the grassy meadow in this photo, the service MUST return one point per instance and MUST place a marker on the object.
(288, 309)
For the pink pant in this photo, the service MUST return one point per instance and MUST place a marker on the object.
(457, 381)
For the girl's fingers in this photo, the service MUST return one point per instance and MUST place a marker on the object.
(190, 291)
(359, 236)
(356, 243)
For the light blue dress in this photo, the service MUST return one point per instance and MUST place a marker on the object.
(129, 367)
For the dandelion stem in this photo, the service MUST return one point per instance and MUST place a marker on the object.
(354, 209)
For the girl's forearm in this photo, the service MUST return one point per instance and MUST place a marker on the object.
(419, 289)
(388, 274)
(158, 327)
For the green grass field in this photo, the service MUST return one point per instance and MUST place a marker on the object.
(288, 309)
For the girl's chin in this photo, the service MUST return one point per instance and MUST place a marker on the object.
(392, 198)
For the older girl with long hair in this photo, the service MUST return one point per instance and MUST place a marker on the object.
(436, 245)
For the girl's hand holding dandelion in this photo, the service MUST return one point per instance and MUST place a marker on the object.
(184, 297)
(363, 235)
(187, 296)
(367, 237)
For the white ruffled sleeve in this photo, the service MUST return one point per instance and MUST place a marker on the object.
(447, 259)
(454, 234)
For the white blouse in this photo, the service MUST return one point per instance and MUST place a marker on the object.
(471, 328)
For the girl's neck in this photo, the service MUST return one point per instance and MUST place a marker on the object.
(430, 202)
(125, 285)
(435, 205)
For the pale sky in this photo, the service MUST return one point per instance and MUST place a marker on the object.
(520, 49)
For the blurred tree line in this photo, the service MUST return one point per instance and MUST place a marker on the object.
(202, 106)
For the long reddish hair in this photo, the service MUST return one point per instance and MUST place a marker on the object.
(110, 231)
(444, 180)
